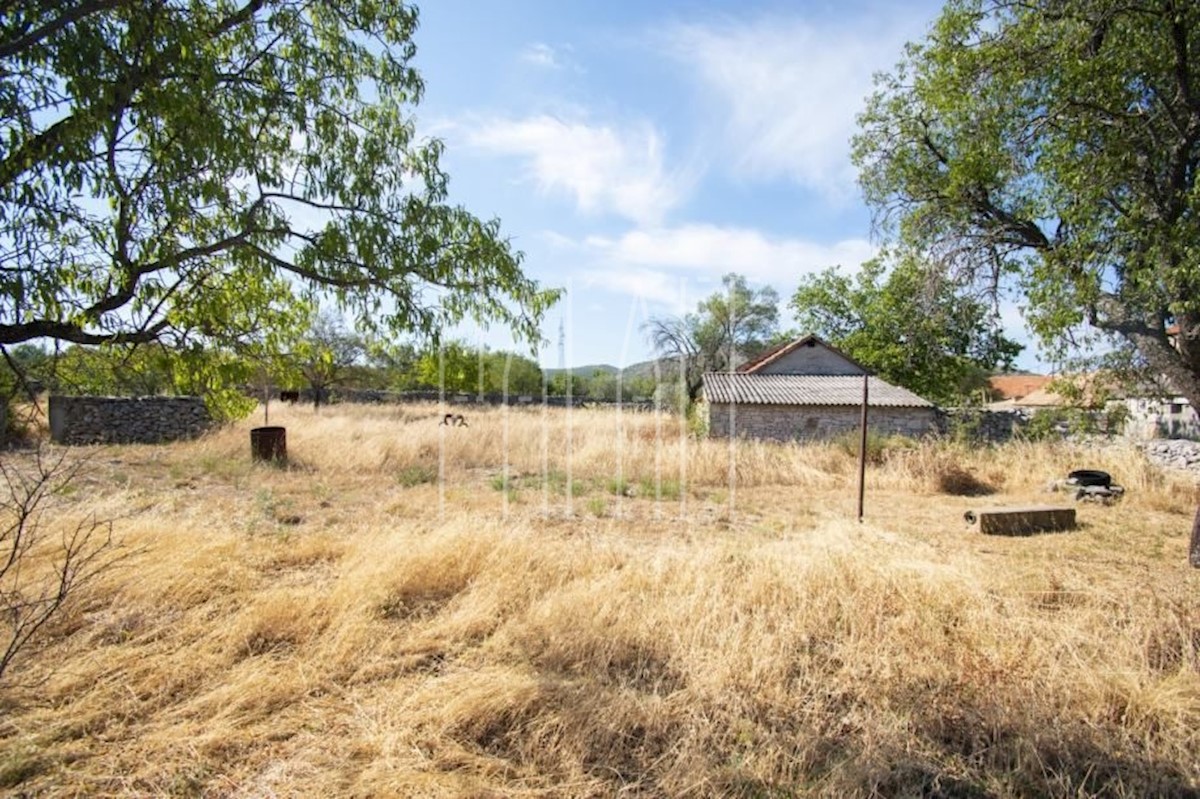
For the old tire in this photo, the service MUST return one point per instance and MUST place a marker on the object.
(1090, 477)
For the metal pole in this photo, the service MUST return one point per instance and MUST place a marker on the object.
(1194, 552)
(862, 453)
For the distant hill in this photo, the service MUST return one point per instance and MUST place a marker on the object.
(667, 368)
(583, 371)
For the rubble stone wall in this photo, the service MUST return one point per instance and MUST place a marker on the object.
(126, 420)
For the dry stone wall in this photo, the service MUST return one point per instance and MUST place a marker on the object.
(985, 426)
(126, 420)
(373, 396)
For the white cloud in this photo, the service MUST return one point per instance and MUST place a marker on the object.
(651, 285)
(605, 169)
(790, 89)
(710, 251)
(542, 55)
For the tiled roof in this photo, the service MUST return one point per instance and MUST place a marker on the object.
(755, 389)
(1092, 389)
(1017, 386)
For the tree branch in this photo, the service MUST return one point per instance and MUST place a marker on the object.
(75, 334)
(68, 17)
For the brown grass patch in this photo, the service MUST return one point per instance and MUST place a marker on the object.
(737, 634)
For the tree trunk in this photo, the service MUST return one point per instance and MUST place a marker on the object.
(1178, 363)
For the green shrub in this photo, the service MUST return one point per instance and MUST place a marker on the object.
(1053, 423)
(661, 489)
(879, 445)
(1116, 416)
(416, 475)
(1045, 424)
(697, 420)
(16, 429)
(964, 428)
(618, 486)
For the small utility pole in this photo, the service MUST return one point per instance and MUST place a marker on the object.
(862, 453)
(1194, 551)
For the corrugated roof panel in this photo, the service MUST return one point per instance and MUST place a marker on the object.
(755, 389)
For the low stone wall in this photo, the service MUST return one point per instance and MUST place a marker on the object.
(375, 396)
(978, 424)
(789, 422)
(998, 426)
(126, 420)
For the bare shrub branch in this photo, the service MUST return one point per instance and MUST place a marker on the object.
(40, 571)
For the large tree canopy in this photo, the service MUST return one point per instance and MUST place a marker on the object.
(183, 170)
(1053, 145)
(729, 327)
(912, 327)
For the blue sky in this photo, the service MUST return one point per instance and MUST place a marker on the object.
(636, 152)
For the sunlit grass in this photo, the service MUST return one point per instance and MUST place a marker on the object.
(593, 604)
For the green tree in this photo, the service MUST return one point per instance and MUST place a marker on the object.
(184, 171)
(144, 371)
(564, 383)
(729, 327)
(1054, 145)
(603, 385)
(326, 353)
(638, 387)
(389, 366)
(508, 372)
(458, 368)
(452, 367)
(908, 324)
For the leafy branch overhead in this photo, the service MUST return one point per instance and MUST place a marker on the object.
(1053, 146)
(175, 170)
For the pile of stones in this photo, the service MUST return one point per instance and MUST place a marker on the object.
(1174, 454)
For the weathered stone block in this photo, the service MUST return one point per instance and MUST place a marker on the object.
(1021, 520)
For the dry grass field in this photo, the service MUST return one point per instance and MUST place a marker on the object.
(587, 604)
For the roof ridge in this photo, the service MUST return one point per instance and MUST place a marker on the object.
(838, 390)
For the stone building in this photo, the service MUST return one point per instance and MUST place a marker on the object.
(807, 389)
(1149, 408)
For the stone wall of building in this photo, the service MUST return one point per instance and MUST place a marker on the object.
(126, 420)
(790, 422)
(1166, 417)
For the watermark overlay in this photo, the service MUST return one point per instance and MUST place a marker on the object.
(656, 432)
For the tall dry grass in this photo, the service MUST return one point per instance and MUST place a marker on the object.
(592, 604)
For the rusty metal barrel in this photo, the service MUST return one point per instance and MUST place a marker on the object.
(269, 444)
